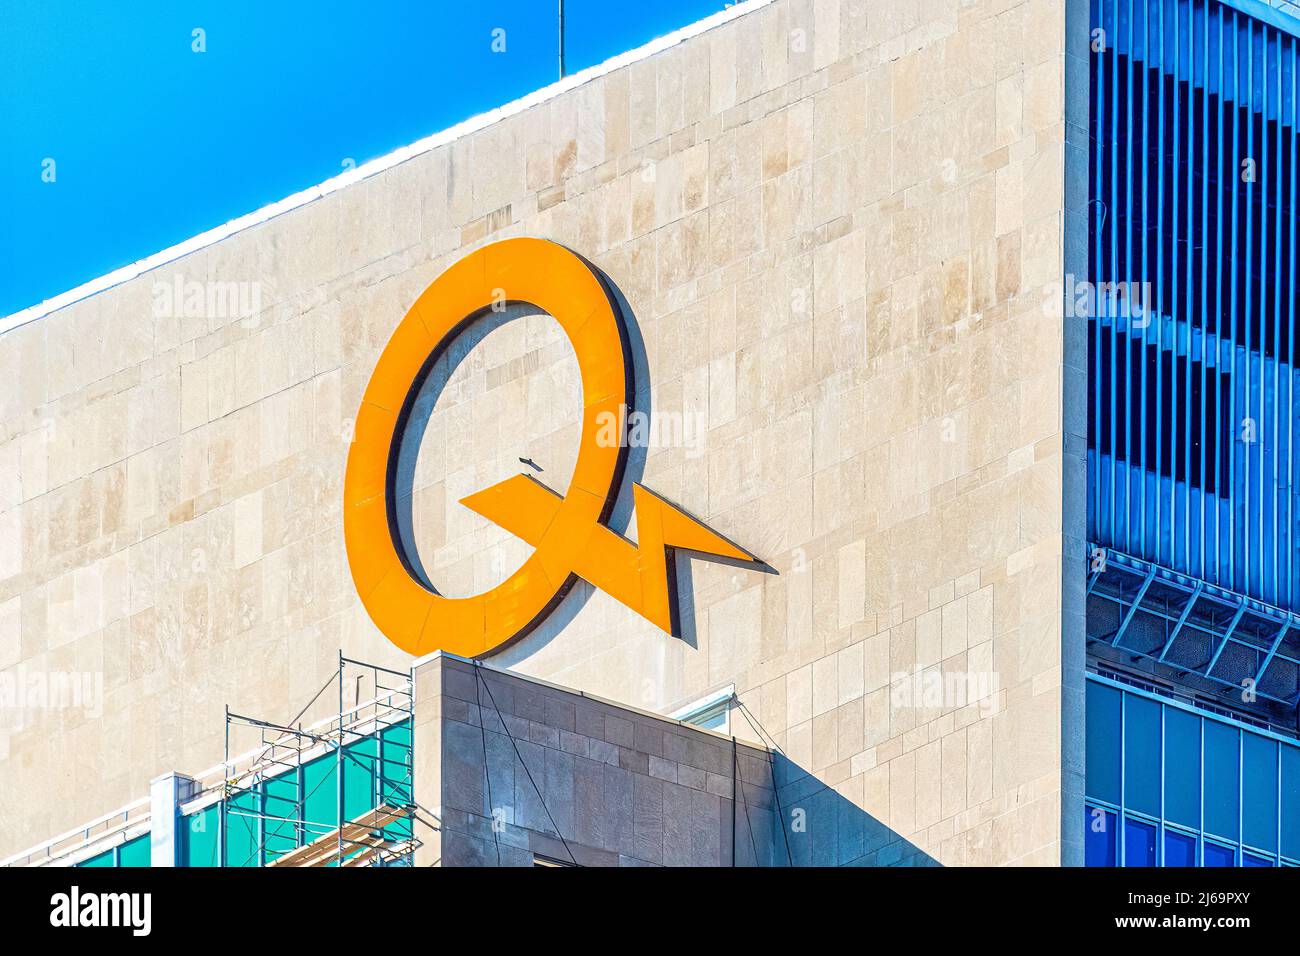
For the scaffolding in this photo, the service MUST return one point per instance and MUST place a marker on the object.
(272, 794)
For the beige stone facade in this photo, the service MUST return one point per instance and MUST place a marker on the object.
(838, 227)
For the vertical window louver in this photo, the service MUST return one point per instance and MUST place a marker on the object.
(1191, 296)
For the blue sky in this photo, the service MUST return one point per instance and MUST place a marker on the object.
(152, 142)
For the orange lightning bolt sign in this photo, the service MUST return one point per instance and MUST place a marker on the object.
(568, 533)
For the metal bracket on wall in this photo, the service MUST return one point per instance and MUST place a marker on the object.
(1180, 622)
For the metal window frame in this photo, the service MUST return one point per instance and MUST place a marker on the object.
(1123, 812)
(1243, 536)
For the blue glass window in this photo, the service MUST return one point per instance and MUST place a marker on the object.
(394, 766)
(1180, 849)
(1139, 843)
(359, 777)
(280, 799)
(1218, 855)
(321, 803)
(1103, 742)
(394, 771)
(242, 824)
(1182, 767)
(199, 837)
(1221, 796)
(1142, 754)
(1259, 790)
(1291, 802)
(135, 852)
(1227, 792)
(1099, 837)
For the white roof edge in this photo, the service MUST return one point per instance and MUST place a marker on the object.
(122, 811)
(374, 166)
(703, 703)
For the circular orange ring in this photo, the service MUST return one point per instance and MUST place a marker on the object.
(560, 282)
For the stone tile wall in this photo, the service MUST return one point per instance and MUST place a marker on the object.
(838, 226)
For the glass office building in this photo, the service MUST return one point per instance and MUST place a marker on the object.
(1194, 652)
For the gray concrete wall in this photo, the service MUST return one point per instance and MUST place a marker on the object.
(578, 780)
(1074, 406)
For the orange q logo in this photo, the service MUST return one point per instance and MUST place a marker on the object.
(568, 534)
